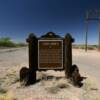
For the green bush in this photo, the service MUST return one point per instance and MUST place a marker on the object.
(6, 42)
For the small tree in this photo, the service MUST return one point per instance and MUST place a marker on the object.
(6, 42)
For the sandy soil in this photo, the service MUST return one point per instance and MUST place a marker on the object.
(57, 87)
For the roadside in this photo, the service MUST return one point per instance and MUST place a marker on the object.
(57, 87)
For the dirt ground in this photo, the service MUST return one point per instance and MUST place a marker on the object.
(56, 87)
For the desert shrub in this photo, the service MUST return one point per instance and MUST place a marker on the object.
(7, 42)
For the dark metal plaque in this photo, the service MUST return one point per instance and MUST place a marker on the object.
(50, 54)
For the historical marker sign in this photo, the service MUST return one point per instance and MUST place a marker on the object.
(50, 54)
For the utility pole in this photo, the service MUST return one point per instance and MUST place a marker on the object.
(86, 34)
(99, 33)
(91, 16)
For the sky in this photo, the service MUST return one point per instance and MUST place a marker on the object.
(18, 18)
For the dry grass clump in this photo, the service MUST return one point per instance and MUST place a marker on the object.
(53, 90)
(52, 84)
(89, 85)
(11, 77)
(97, 98)
(91, 91)
(2, 90)
(62, 83)
(2, 80)
(56, 85)
(7, 96)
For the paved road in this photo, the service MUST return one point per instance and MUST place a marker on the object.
(89, 61)
(13, 56)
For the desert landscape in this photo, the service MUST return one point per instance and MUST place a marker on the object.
(51, 85)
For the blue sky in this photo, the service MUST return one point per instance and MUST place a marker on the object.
(18, 18)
